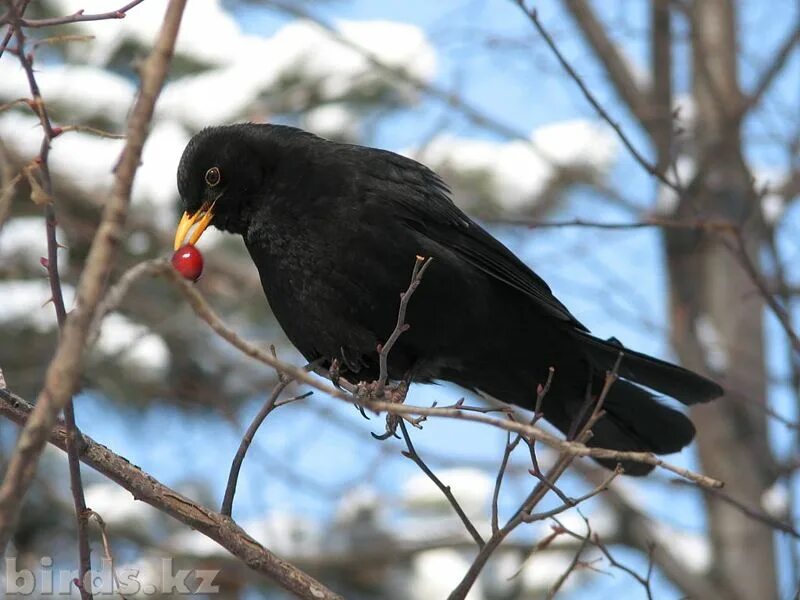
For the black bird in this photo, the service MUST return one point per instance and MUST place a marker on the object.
(334, 230)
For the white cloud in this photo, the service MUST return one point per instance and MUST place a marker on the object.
(692, 549)
(155, 185)
(712, 342)
(286, 534)
(334, 120)
(194, 543)
(26, 302)
(515, 170)
(543, 569)
(205, 29)
(470, 487)
(84, 91)
(135, 345)
(435, 573)
(301, 50)
(775, 501)
(667, 199)
(88, 161)
(768, 179)
(117, 506)
(357, 502)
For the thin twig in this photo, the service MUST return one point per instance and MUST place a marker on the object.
(420, 266)
(776, 64)
(574, 562)
(507, 450)
(646, 164)
(573, 502)
(710, 225)
(740, 252)
(644, 581)
(106, 548)
(511, 445)
(445, 489)
(753, 512)
(80, 17)
(51, 264)
(117, 293)
(238, 459)
(547, 482)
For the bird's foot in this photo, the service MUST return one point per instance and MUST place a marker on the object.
(396, 394)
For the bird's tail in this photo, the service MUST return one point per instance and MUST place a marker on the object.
(634, 419)
(671, 380)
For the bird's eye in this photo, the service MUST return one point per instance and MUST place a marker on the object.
(213, 176)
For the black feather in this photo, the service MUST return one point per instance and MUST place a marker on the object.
(334, 230)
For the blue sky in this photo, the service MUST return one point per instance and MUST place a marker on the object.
(612, 281)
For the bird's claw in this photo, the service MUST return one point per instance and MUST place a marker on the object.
(362, 411)
(334, 372)
(395, 394)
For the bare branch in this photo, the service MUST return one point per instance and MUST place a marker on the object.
(645, 164)
(146, 488)
(573, 502)
(615, 65)
(420, 266)
(445, 489)
(80, 17)
(776, 64)
(238, 459)
(51, 264)
(574, 563)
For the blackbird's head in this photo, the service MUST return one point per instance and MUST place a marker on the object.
(225, 172)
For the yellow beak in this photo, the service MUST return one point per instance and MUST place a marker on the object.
(201, 218)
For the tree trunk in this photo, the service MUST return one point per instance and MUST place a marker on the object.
(711, 292)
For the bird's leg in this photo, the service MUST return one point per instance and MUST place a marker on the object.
(334, 372)
(397, 393)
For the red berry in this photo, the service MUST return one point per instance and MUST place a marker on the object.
(188, 261)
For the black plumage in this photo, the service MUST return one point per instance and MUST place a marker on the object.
(334, 230)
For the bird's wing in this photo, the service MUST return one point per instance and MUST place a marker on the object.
(422, 199)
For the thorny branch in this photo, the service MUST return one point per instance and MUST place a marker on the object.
(44, 182)
(64, 369)
(76, 17)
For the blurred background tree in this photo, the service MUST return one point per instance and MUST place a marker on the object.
(709, 89)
